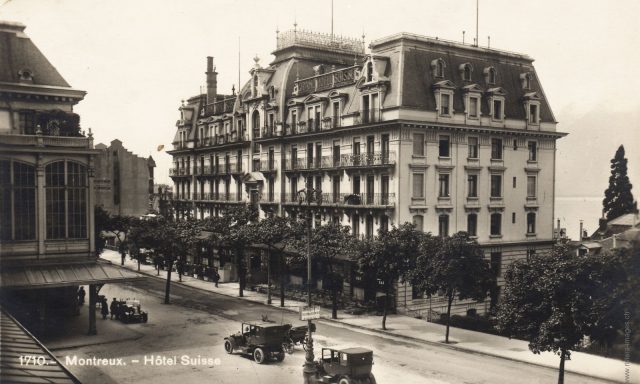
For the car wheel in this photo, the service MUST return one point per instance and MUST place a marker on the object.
(228, 347)
(145, 318)
(280, 356)
(344, 380)
(372, 379)
(258, 355)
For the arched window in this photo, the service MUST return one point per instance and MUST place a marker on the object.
(531, 223)
(66, 200)
(437, 67)
(369, 71)
(17, 201)
(526, 80)
(491, 75)
(466, 71)
(255, 120)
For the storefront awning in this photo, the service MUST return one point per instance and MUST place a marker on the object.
(42, 366)
(62, 275)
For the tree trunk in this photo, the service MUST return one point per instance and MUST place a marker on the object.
(168, 286)
(384, 308)
(282, 279)
(269, 278)
(449, 302)
(241, 273)
(561, 372)
(334, 300)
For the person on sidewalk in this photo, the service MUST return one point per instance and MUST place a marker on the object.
(104, 308)
(180, 269)
(81, 294)
(216, 276)
(113, 307)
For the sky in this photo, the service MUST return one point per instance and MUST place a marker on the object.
(138, 59)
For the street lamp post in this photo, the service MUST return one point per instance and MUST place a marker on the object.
(309, 195)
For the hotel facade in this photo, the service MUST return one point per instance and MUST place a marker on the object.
(448, 136)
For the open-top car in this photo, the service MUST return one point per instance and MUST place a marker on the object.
(130, 312)
(346, 366)
(262, 340)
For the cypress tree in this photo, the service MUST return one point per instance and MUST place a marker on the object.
(618, 199)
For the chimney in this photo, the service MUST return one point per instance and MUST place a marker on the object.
(581, 225)
(212, 81)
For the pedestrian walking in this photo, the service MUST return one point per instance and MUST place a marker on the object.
(180, 269)
(114, 308)
(216, 276)
(81, 294)
(104, 308)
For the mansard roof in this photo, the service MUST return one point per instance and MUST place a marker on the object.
(419, 78)
(21, 62)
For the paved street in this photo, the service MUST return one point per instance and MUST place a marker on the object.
(196, 323)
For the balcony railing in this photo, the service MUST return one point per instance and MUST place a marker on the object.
(345, 161)
(348, 199)
(368, 159)
(219, 107)
(367, 116)
(264, 166)
(179, 172)
(335, 79)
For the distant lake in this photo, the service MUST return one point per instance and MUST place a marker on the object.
(570, 210)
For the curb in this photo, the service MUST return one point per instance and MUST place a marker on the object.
(390, 334)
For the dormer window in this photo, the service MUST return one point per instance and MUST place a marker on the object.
(369, 71)
(490, 75)
(443, 92)
(445, 104)
(465, 70)
(497, 111)
(532, 108)
(526, 80)
(472, 97)
(534, 116)
(496, 103)
(437, 66)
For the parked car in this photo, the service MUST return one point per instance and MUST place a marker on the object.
(346, 366)
(297, 335)
(129, 311)
(262, 340)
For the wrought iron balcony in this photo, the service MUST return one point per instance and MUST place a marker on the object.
(367, 116)
(219, 107)
(368, 159)
(175, 172)
(368, 200)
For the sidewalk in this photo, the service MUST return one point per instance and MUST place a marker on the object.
(423, 331)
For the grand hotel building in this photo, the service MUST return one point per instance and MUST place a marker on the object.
(451, 137)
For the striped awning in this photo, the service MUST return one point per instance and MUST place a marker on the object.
(16, 341)
(62, 275)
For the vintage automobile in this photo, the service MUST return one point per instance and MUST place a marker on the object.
(262, 340)
(296, 335)
(346, 366)
(128, 311)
